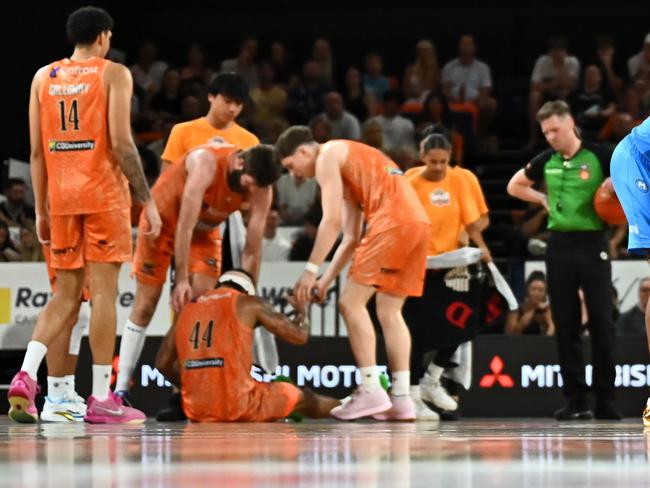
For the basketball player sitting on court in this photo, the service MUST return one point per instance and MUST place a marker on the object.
(208, 353)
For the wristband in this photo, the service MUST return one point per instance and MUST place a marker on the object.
(312, 268)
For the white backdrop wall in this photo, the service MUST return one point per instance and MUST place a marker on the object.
(25, 289)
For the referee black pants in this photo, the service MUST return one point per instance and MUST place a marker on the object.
(580, 260)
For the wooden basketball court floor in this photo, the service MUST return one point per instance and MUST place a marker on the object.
(482, 453)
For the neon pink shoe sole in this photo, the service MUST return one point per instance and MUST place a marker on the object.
(21, 396)
(112, 411)
(362, 404)
(402, 410)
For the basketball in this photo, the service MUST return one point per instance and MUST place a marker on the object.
(608, 207)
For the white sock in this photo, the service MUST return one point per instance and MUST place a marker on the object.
(401, 383)
(435, 372)
(101, 381)
(55, 387)
(133, 336)
(69, 384)
(34, 355)
(370, 378)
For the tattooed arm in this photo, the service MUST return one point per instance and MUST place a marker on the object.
(120, 87)
(253, 310)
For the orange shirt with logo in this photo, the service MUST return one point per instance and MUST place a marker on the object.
(83, 174)
(474, 187)
(377, 184)
(448, 205)
(188, 135)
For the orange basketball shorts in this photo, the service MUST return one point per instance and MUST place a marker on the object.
(393, 261)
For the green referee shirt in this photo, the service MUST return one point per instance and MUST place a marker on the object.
(571, 184)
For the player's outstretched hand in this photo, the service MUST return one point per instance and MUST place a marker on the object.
(302, 288)
(153, 219)
(319, 291)
(43, 228)
(181, 295)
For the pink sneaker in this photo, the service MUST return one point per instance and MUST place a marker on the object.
(403, 409)
(112, 411)
(362, 404)
(21, 396)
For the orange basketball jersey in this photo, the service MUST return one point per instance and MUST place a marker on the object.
(378, 185)
(83, 174)
(215, 359)
(219, 200)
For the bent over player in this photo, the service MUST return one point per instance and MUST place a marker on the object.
(194, 197)
(357, 182)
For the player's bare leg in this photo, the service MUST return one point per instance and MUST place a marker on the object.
(62, 403)
(398, 348)
(104, 407)
(316, 406)
(370, 398)
(49, 325)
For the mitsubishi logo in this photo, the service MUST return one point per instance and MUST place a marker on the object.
(504, 380)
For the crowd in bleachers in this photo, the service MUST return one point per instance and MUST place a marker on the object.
(389, 111)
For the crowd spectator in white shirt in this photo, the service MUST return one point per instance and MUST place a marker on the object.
(641, 60)
(148, 72)
(343, 125)
(468, 80)
(397, 131)
(274, 246)
(554, 76)
(294, 197)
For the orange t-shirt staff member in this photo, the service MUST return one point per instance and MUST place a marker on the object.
(454, 202)
(227, 93)
(452, 198)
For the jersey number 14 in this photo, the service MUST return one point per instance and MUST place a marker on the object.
(70, 116)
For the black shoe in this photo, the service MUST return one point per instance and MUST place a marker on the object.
(449, 415)
(125, 396)
(572, 411)
(607, 410)
(173, 412)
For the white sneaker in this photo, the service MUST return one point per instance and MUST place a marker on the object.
(435, 393)
(66, 408)
(422, 412)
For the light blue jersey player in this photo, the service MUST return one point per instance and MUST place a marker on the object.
(630, 171)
